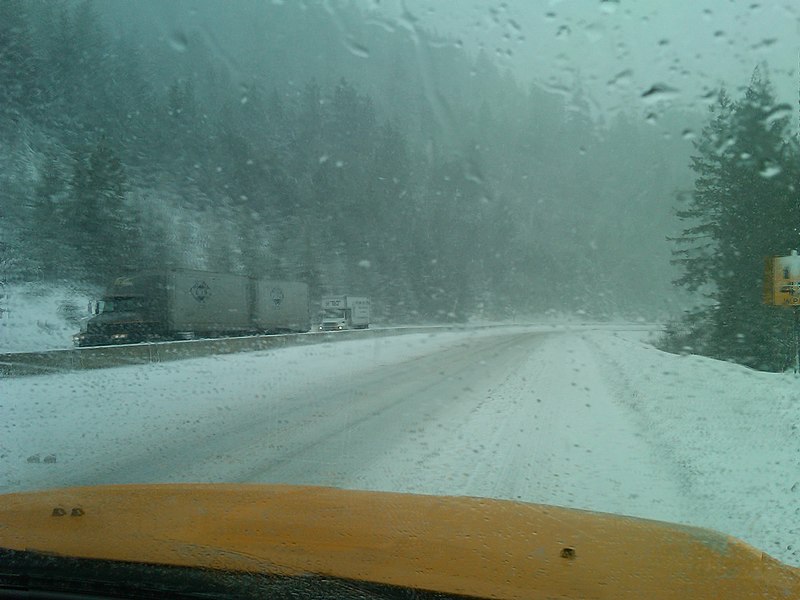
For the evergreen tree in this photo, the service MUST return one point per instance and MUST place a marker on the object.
(18, 64)
(739, 213)
(104, 234)
(50, 221)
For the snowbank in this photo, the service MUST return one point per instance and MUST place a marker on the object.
(38, 316)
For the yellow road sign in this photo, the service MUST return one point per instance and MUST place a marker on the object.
(782, 280)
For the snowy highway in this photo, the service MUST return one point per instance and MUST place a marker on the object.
(582, 417)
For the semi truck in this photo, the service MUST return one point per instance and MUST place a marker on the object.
(185, 304)
(344, 312)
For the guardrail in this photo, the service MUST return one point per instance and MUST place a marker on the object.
(99, 357)
(20, 364)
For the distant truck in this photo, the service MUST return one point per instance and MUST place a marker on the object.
(185, 304)
(344, 312)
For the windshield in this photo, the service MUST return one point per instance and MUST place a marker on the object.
(561, 237)
(120, 304)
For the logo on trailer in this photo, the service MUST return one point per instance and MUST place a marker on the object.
(277, 296)
(200, 291)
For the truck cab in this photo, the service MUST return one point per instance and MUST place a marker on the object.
(344, 312)
(334, 323)
(116, 320)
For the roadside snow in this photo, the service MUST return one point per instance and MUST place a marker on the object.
(729, 433)
(36, 317)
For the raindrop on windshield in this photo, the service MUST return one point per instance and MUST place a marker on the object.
(609, 6)
(178, 41)
(778, 112)
(659, 92)
(356, 48)
(770, 170)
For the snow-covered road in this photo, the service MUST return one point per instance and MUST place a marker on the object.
(581, 417)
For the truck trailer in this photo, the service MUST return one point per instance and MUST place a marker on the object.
(344, 312)
(185, 304)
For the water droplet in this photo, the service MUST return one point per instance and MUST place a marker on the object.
(659, 92)
(364, 264)
(778, 112)
(770, 170)
(356, 48)
(623, 78)
(765, 43)
(473, 174)
(688, 134)
(609, 6)
(563, 32)
(178, 41)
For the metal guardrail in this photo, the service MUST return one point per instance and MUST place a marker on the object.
(99, 357)
(20, 364)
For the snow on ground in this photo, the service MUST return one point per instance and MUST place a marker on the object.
(37, 317)
(88, 417)
(592, 417)
(729, 433)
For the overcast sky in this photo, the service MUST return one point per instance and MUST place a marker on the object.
(619, 49)
(622, 48)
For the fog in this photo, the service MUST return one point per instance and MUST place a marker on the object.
(454, 161)
(620, 48)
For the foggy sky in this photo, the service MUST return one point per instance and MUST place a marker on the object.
(618, 49)
(622, 48)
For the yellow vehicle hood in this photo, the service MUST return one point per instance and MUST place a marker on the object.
(454, 545)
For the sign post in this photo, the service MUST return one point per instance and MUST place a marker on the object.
(782, 288)
(796, 310)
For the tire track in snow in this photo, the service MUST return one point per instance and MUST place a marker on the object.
(322, 437)
(552, 431)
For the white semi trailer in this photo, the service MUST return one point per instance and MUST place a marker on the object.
(181, 303)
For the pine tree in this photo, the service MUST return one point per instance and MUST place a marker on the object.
(51, 253)
(739, 213)
(18, 64)
(104, 233)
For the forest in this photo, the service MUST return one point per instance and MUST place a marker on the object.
(403, 167)
(437, 184)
